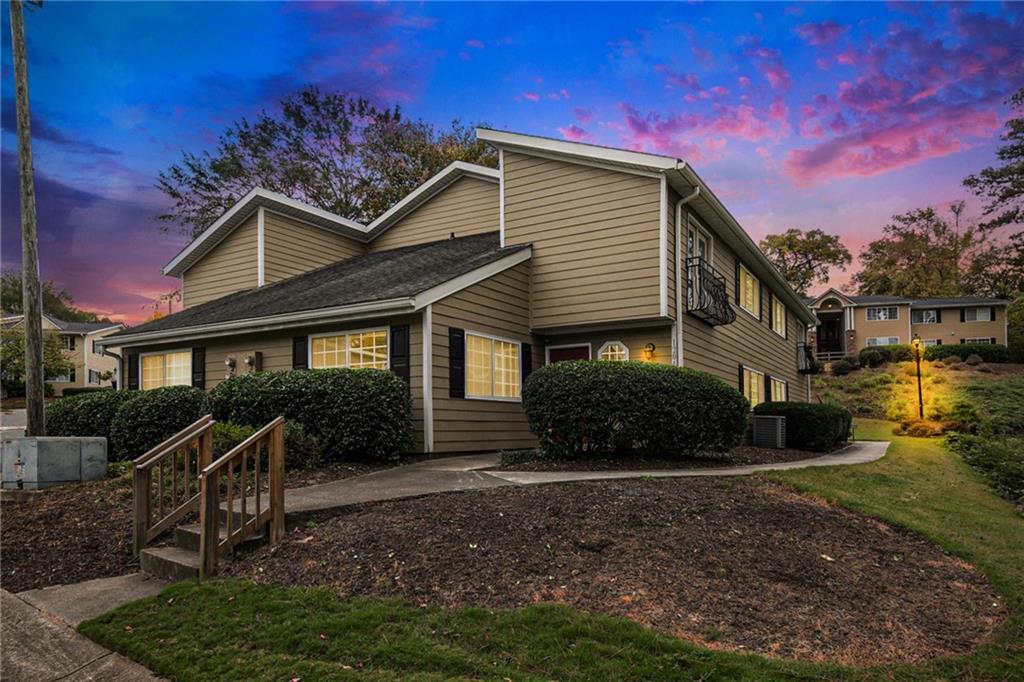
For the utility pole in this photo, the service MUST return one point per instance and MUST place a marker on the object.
(32, 303)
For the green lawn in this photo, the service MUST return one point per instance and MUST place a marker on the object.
(237, 630)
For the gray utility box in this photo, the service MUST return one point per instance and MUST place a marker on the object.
(43, 462)
(769, 431)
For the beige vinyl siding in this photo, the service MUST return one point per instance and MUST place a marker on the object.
(634, 339)
(291, 247)
(595, 236)
(719, 350)
(229, 267)
(863, 329)
(951, 329)
(467, 206)
(498, 306)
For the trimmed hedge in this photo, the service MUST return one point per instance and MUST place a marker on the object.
(79, 390)
(811, 426)
(357, 413)
(152, 417)
(987, 352)
(591, 408)
(844, 366)
(86, 414)
(227, 435)
(897, 352)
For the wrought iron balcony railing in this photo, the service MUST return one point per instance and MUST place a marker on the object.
(706, 296)
(805, 361)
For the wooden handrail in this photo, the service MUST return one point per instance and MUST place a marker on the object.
(213, 543)
(173, 455)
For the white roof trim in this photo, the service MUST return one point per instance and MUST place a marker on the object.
(429, 189)
(235, 215)
(501, 138)
(831, 291)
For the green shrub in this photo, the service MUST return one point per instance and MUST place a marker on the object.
(899, 352)
(987, 351)
(884, 379)
(227, 435)
(590, 408)
(152, 417)
(974, 360)
(87, 414)
(869, 357)
(1001, 461)
(358, 413)
(78, 390)
(303, 449)
(811, 427)
(844, 366)
(950, 359)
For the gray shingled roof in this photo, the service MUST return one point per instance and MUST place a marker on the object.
(923, 302)
(381, 276)
(63, 325)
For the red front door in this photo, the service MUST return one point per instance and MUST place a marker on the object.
(568, 353)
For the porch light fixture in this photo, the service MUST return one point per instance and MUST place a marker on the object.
(649, 351)
(229, 362)
(916, 345)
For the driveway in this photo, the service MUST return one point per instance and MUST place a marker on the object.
(12, 423)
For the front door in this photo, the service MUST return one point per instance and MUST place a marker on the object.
(830, 334)
(568, 353)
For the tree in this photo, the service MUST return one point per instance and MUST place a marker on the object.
(339, 153)
(921, 254)
(56, 302)
(998, 271)
(1015, 328)
(805, 258)
(1002, 187)
(56, 361)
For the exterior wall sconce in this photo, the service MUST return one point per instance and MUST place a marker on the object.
(229, 363)
(254, 362)
(649, 351)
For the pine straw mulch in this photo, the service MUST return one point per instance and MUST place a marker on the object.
(738, 456)
(728, 563)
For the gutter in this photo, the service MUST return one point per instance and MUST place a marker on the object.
(680, 292)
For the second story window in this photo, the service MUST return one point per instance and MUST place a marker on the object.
(69, 342)
(778, 317)
(882, 313)
(615, 351)
(924, 316)
(977, 314)
(749, 294)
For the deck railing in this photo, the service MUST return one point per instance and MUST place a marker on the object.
(233, 499)
(706, 296)
(166, 480)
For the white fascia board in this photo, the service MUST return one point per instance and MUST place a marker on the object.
(663, 248)
(271, 322)
(428, 189)
(832, 291)
(501, 138)
(428, 379)
(470, 278)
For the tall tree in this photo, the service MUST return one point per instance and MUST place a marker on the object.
(805, 258)
(56, 361)
(31, 297)
(339, 153)
(1002, 186)
(921, 254)
(57, 302)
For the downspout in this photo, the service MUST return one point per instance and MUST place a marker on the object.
(680, 291)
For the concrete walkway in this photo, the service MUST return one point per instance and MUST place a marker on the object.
(470, 472)
(40, 643)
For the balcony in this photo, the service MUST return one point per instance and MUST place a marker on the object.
(805, 361)
(706, 297)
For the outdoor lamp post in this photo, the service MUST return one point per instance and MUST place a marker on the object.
(916, 345)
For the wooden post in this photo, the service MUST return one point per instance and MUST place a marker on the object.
(141, 502)
(209, 524)
(32, 303)
(277, 484)
(206, 447)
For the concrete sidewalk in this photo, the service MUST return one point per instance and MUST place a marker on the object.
(470, 472)
(40, 646)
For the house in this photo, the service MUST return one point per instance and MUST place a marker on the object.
(851, 323)
(82, 341)
(565, 251)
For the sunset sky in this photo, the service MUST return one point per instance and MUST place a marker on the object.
(797, 115)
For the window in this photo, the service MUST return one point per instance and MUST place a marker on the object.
(95, 348)
(750, 292)
(890, 312)
(977, 314)
(94, 377)
(173, 368)
(65, 378)
(492, 367)
(698, 242)
(615, 351)
(924, 316)
(780, 392)
(753, 386)
(69, 342)
(355, 350)
(778, 317)
(984, 341)
(930, 342)
(883, 340)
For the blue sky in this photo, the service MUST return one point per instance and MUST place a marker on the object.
(799, 115)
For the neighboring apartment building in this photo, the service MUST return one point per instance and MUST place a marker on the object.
(566, 251)
(80, 340)
(851, 323)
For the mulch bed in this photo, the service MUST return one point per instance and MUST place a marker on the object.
(739, 456)
(729, 563)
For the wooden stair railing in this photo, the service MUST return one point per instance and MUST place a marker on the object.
(219, 483)
(178, 463)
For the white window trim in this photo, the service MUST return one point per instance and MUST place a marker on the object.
(888, 340)
(978, 340)
(492, 397)
(935, 316)
(309, 344)
(166, 353)
(548, 349)
(928, 343)
(692, 224)
(612, 343)
(867, 312)
(760, 295)
(988, 313)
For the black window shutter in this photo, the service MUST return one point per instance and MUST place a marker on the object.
(771, 310)
(963, 341)
(938, 342)
(71, 344)
(785, 323)
(992, 313)
(938, 315)
(300, 352)
(133, 371)
(199, 367)
(737, 281)
(768, 387)
(739, 383)
(760, 301)
(400, 350)
(963, 315)
(786, 389)
(72, 376)
(525, 360)
(993, 340)
(456, 363)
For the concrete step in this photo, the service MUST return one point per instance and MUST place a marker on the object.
(170, 563)
(187, 537)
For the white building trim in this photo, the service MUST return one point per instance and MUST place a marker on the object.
(428, 379)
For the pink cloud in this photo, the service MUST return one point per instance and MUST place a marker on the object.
(848, 58)
(822, 32)
(532, 96)
(769, 62)
(719, 91)
(475, 43)
(743, 81)
(575, 133)
(583, 115)
(564, 92)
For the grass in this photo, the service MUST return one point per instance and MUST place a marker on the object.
(237, 630)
